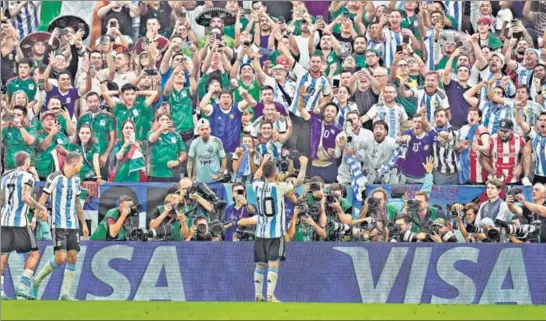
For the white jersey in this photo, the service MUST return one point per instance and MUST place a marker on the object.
(316, 88)
(392, 40)
(538, 142)
(14, 211)
(271, 218)
(63, 191)
(438, 100)
(393, 116)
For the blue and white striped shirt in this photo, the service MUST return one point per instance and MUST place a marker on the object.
(63, 191)
(14, 211)
(316, 87)
(271, 218)
(27, 20)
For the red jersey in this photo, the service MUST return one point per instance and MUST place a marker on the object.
(506, 156)
(477, 173)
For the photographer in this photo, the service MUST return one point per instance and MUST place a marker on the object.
(116, 222)
(192, 200)
(536, 212)
(484, 232)
(333, 205)
(201, 231)
(520, 231)
(440, 232)
(419, 212)
(171, 213)
(400, 231)
(305, 227)
(470, 211)
(241, 208)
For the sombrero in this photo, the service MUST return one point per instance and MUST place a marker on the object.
(69, 21)
(204, 17)
(31, 39)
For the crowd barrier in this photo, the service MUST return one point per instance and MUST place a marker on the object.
(313, 272)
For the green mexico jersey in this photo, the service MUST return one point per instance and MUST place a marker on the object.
(44, 158)
(331, 59)
(102, 124)
(135, 113)
(123, 173)
(148, 114)
(167, 148)
(304, 233)
(14, 143)
(230, 29)
(62, 122)
(202, 86)
(181, 109)
(27, 85)
(176, 236)
(253, 89)
(87, 170)
(351, 16)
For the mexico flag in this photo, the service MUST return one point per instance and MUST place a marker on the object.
(130, 167)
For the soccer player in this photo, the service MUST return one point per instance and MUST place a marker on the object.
(66, 209)
(270, 224)
(17, 234)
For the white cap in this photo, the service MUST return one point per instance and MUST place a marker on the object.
(487, 222)
(202, 122)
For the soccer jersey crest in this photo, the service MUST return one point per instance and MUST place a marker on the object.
(31, 86)
(68, 100)
(173, 140)
(59, 141)
(103, 122)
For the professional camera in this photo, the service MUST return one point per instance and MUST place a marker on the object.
(413, 207)
(283, 164)
(471, 228)
(309, 210)
(135, 210)
(314, 187)
(493, 235)
(514, 191)
(142, 234)
(456, 214)
(373, 205)
(527, 231)
(368, 224)
(209, 195)
(337, 230)
(245, 234)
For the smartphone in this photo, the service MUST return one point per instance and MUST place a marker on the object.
(247, 11)
(246, 43)
(400, 48)
(336, 83)
(405, 39)
(81, 26)
(505, 29)
(183, 15)
(150, 72)
(294, 154)
(164, 105)
(282, 20)
(41, 84)
(320, 18)
(218, 36)
(514, 22)
(132, 137)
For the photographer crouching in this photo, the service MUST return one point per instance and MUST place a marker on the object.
(531, 216)
(240, 208)
(306, 225)
(371, 225)
(170, 218)
(119, 222)
(200, 202)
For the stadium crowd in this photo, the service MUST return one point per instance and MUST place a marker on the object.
(349, 93)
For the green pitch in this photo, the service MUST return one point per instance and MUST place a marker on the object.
(122, 310)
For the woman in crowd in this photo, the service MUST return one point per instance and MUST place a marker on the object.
(130, 165)
(85, 144)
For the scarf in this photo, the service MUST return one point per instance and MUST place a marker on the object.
(398, 158)
(463, 173)
(358, 182)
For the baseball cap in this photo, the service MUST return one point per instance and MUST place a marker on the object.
(487, 222)
(439, 222)
(506, 125)
(47, 113)
(202, 122)
(533, 50)
(485, 20)
(373, 51)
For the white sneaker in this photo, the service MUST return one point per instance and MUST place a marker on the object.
(67, 297)
(526, 182)
(272, 299)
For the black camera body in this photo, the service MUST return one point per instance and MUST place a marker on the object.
(314, 187)
(142, 234)
(245, 233)
(135, 210)
(514, 191)
(309, 210)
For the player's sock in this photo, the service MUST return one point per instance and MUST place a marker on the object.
(45, 271)
(272, 280)
(259, 281)
(69, 276)
(2, 285)
(26, 276)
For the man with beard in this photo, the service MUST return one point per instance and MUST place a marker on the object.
(352, 146)
(23, 81)
(413, 79)
(378, 151)
(191, 11)
(419, 140)
(455, 89)
(443, 150)
(525, 70)
(318, 91)
(225, 117)
(372, 60)
(303, 40)
(284, 86)
(431, 97)
(388, 111)
(480, 72)
(329, 48)
(323, 136)
(207, 154)
(359, 51)
(263, 28)
(539, 82)
(270, 112)
(365, 95)
(504, 160)
(521, 47)
(267, 143)
(473, 141)
(38, 53)
(534, 148)
(216, 27)
(104, 130)
(18, 135)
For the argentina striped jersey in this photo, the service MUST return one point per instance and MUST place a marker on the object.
(63, 191)
(14, 211)
(271, 218)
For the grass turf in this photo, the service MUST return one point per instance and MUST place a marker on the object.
(122, 310)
